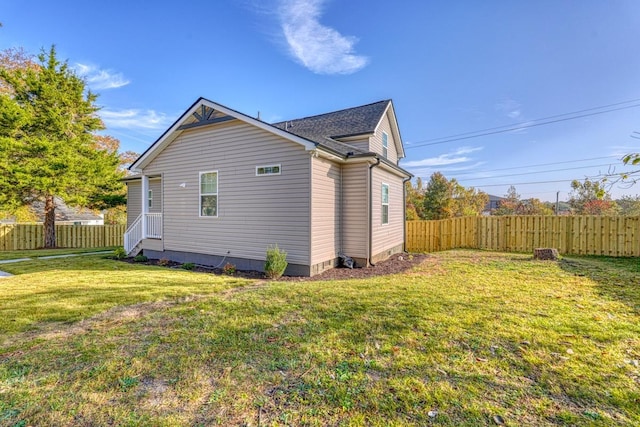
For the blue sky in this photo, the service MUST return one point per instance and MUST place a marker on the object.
(451, 68)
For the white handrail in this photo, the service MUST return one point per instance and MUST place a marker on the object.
(133, 235)
(154, 225)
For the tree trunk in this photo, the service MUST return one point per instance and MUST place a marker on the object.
(49, 222)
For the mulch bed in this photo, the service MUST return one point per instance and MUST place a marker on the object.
(393, 265)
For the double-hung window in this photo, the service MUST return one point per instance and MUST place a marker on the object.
(150, 199)
(385, 204)
(385, 145)
(209, 194)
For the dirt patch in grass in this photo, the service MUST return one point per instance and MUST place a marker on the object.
(395, 264)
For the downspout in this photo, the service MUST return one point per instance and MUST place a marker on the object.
(370, 254)
(404, 212)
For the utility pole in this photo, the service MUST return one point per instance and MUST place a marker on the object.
(557, 202)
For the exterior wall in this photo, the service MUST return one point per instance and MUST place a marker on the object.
(253, 211)
(155, 185)
(219, 261)
(361, 144)
(391, 235)
(355, 210)
(134, 197)
(376, 140)
(325, 211)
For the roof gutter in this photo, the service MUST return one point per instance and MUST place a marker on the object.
(371, 166)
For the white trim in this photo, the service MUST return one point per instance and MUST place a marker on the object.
(395, 129)
(208, 194)
(279, 166)
(383, 204)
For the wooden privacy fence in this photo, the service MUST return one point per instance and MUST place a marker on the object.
(30, 236)
(578, 235)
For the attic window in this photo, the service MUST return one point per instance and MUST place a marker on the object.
(385, 144)
(268, 170)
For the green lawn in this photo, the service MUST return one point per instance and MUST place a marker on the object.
(468, 338)
(4, 255)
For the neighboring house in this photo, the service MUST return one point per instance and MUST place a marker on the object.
(220, 186)
(65, 215)
(492, 204)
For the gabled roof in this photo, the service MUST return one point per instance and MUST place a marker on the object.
(329, 128)
(208, 112)
(337, 124)
(321, 131)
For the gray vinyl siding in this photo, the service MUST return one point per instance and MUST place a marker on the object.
(362, 144)
(376, 140)
(155, 185)
(253, 211)
(325, 210)
(387, 236)
(355, 208)
(134, 196)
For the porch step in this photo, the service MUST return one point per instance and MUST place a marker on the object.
(136, 250)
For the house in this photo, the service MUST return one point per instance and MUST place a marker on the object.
(65, 215)
(492, 204)
(220, 186)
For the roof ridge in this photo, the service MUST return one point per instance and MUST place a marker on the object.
(334, 112)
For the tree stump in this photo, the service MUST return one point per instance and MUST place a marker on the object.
(546, 254)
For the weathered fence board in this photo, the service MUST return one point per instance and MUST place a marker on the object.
(31, 236)
(578, 235)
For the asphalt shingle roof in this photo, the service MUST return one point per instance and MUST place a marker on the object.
(324, 129)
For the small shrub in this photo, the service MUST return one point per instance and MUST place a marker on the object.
(188, 266)
(276, 262)
(119, 253)
(163, 262)
(140, 258)
(229, 269)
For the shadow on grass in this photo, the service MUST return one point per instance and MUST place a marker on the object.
(617, 278)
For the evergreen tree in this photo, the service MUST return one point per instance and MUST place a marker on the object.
(47, 143)
(437, 197)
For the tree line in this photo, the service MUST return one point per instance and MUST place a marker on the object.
(443, 198)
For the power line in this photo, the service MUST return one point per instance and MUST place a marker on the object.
(526, 183)
(540, 164)
(521, 125)
(537, 172)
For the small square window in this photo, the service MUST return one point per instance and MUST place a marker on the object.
(268, 170)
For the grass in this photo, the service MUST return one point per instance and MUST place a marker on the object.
(4, 255)
(468, 338)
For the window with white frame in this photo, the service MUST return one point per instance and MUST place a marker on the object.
(385, 144)
(268, 170)
(150, 199)
(209, 194)
(385, 204)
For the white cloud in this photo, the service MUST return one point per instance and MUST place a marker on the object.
(319, 48)
(446, 170)
(511, 108)
(100, 79)
(135, 119)
(455, 157)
